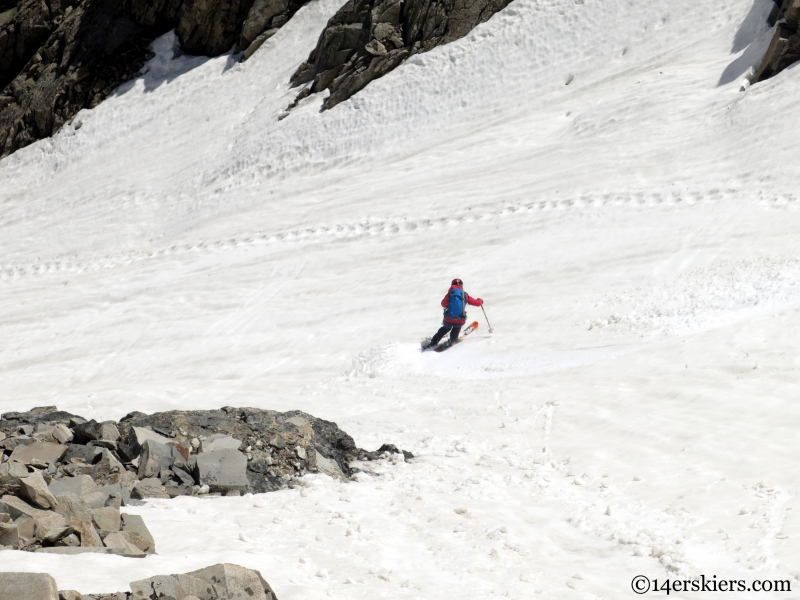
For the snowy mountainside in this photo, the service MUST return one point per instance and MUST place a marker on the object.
(630, 223)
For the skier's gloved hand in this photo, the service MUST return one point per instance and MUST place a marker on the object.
(480, 302)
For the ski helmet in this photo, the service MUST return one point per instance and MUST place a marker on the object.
(457, 281)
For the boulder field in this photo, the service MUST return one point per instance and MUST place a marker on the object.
(218, 582)
(64, 480)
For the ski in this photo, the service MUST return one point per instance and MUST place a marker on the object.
(442, 347)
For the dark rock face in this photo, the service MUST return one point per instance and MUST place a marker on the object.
(60, 56)
(366, 39)
(784, 49)
(263, 21)
(276, 447)
(24, 26)
(65, 498)
(211, 26)
(95, 47)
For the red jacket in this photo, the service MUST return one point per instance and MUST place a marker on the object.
(470, 300)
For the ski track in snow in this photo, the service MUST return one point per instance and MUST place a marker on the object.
(383, 226)
(599, 172)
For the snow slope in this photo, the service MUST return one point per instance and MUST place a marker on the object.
(601, 173)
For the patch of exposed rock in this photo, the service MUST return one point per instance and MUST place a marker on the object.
(219, 582)
(63, 479)
(263, 21)
(784, 49)
(366, 39)
(60, 56)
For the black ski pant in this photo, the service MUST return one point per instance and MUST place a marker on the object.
(453, 328)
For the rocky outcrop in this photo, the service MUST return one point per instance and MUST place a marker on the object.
(63, 479)
(784, 49)
(366, 39)
(219, 582)
(60, 56)
(24, 26)
(263, 21)
(211, 26)
(92, 49)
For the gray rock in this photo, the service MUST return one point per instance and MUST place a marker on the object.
(235, 582)
(198, 588)
(44, 452)
(79, 485)
(71, 506)
(75, 469)
(154, 458)
(263, 21)
(138, 541)
(62, 434)
(329, 467)
(48, 529)
(106, 519)
(16, 507)
(219, 441)
(185, 477)
(114, 501)
(148, 488)
(30, 586)
(257, 43)
(134, 524)
(5, 518)
(142, 434)
(72, 540)
(119, 493)
(108, 466)
(69, 595)
(92, 430)
(87, 533)
(14, 469)
(9, 534)
(96, 499)
(270, 468)
(259, 19)
(43, 430)
(26, 527)
(223, 470)
(20, 440)
(34, 489)
(117, 541)
(56, 534)
(77, 453)
(160, 586)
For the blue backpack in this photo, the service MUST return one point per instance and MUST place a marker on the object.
(456, 305)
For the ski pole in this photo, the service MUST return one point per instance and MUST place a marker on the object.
(487, 319)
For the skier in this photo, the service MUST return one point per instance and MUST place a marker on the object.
(455, 312)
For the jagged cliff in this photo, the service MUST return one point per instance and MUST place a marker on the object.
(784, 49)
(366, 39)
(59, 56)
